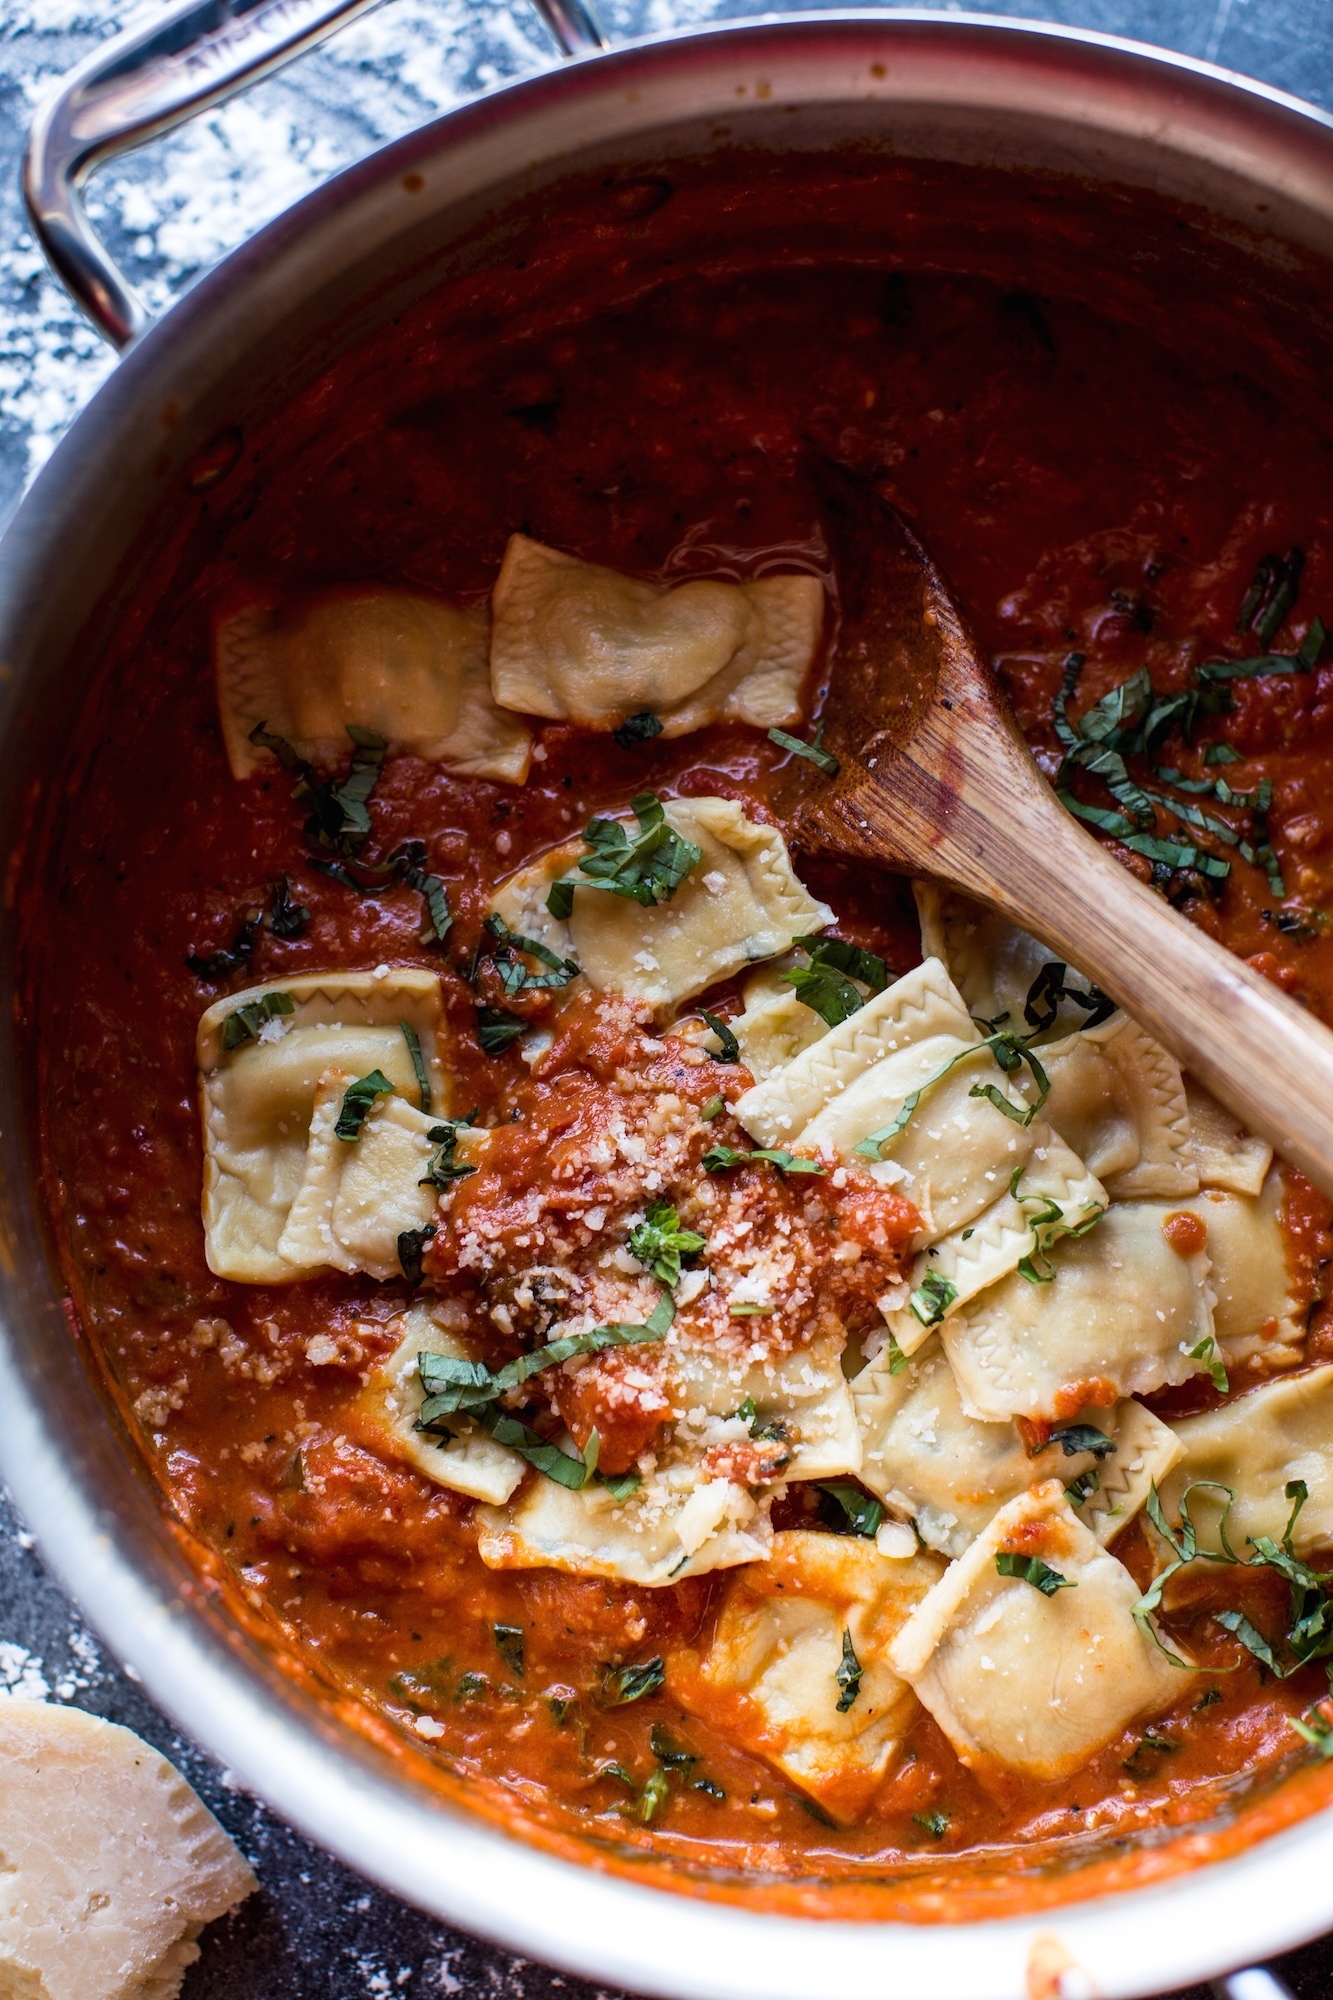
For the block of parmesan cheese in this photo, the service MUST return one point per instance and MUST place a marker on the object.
(110, 1866)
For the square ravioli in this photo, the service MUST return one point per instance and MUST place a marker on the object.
(408, 668)
(1256, 1446)
(1125, 1313)
(359, 1196)
(1255, 1312)
(261, 1054)
(581, 643)
(1034, 1676)
(769, 1675)
(949, 1474)
(468, 1461)
(739, 903)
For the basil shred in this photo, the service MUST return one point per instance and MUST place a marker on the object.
(647, 867)
(247, 1021)
(825, 984)
(453, 1387)
(1009, 1051)
(1132, 719)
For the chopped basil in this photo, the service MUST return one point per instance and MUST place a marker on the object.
(1208, 1698)
(861, 1510)
(814, 753)
(848, 1675)
(1009, 1051)
(622, 1685)
(1272, 595)
(867, 966)
(659, 1243)
(411, 1244)
(496, 1029)
(825, 991)
(647, 867)
(515, 977)
(718, 1159)
(1050, 987)
(339, 818)
(1074, 1438)
(1220, 753)
(1206, 1351)
(442, 1170)
(471, 1687)
(468, 1388)
(813, 1809)
(1185, 1550)
(1149, 1747)
(1083, 1487)
(713, 1109)
(221, 964)
(413, 1040)
(669, 1754)
(1316, 1730)
(408, 863)
(246, 1024)
(656, 1790)
(897, 1359)
(932, 1299)
(640, 728)
(936, 1824)
(357, 1101)
(286, 919)
(1012, 1562)
(1251, 1638)
(748, 1309)
(509, 1645)
(730, 1048)
(708, 1786)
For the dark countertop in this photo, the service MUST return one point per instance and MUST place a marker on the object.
(316, 1931)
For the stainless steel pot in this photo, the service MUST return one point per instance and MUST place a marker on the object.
(949, 87)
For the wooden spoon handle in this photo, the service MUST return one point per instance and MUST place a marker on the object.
(1007, 841)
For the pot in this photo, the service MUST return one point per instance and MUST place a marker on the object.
(944, 88)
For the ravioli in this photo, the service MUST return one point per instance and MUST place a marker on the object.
(1049, 1196)
(741, 903)
(1256, 1446)
(949, 1474)
(921, 1007)
(1254, 1306)
(257, 1100)
(412, 669)
(1022, 1681)
(768, 1678)
(355, 1200)
(469, 1462)
(1225, 1154)
(804, 1394)
(776, 1025)
(675, 1524)
(1122, 1316)
(993, 964)
(1118, 1098)
(582, 644)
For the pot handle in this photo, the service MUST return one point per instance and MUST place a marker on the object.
(139, 84)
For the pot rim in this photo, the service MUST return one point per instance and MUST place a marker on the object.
(153, 1611)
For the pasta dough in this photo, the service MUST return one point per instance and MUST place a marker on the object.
(1256, 1446)
(805, 1392)
(1026, 1681)
(468, 1462)
(776, 1025)
(1225, 1154)
(769, 1676)
(355, 1200)
(740, 904)
(258, 1099)
(1121, 1317)
(1118, 1098)
(109, 1864)
(1055, 1194)
(411, 669)
(934, 1464)
(587, 645)
(1254, 1308)
(993, 964)
(921, 1007)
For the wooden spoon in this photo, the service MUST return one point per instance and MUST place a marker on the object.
(937, 780)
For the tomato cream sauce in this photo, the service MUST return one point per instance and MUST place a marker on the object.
(1087, 485)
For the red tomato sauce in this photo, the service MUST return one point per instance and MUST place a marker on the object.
(1086, 485)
